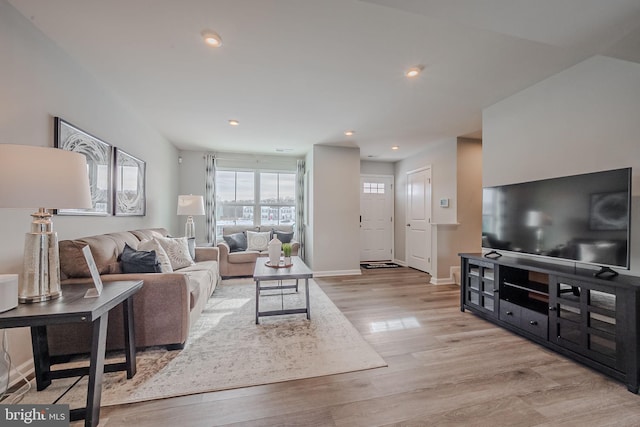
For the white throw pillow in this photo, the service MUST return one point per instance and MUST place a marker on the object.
(177, 248)
(163, 258)
(257, 241)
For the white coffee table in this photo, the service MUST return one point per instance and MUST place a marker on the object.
(298, 270)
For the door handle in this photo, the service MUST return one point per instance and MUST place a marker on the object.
(533, 323)
(408, 225)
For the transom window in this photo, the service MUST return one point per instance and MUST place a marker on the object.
(373, 188)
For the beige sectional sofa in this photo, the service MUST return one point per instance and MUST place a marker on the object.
(242, 263)
(164, 309)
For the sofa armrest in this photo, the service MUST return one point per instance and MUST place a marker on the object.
(295, 247)
(207, 253)
(223, 249)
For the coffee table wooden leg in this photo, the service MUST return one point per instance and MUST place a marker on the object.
(129, 337)
(41, 361)
(257, 300)
(96, 369)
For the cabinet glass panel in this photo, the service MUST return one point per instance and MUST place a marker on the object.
(569, 312)
(474, 298)
(474, 270)
(488, 273)
(602, 322)
(602, 300)
(489, 286)
(602, 345)
(474, 283)
(488, 303)
(568, 292)
(570, 332)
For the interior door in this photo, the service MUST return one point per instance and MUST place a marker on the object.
(418, 229)
(376, 218)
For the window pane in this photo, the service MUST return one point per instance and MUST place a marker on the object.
(268, 215)
(268, 187)
(226, 186)
(245, 187)
(287, 214)
(287, 187)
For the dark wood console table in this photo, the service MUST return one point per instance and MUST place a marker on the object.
(72, 307)
(589, 319)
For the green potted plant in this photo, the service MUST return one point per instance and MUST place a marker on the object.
(286, 250)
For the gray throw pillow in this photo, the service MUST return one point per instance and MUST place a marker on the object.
(237, 242)
(132, 261)
(283, 236)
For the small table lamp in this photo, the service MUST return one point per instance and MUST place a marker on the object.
(190, 205)
(33, 177)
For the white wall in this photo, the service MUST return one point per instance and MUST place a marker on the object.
(583, 119)
(376, 168)
(441, 156)
(334, 246)
(39, 81)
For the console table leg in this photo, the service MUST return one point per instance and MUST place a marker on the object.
(41, 360)
(306, 285)
(129, 337)
(96, 370)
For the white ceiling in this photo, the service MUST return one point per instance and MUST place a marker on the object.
(301, 72)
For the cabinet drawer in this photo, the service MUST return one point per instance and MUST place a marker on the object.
(510, 313)
(534, 322)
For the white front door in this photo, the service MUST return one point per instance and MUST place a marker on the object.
(376, 218)
(418, 229)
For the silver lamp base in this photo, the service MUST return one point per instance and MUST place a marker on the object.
(41, 272)
(190, 227)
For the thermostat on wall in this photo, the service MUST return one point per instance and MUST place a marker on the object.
(444, 203)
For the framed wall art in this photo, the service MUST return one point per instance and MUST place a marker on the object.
(99, 156)
(129, 185)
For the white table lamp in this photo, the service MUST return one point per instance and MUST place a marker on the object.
(190, 205)
(43, 178)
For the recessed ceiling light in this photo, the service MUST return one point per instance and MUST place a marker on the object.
(284, 150)
(414, 71)
(212, 38)
(234, 122)
(349, 132)
(395, 147)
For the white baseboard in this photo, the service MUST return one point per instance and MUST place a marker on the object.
(337, 273)
(451, 280)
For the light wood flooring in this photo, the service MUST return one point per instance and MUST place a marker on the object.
(446, 368)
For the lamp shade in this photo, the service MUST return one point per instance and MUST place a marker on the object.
(43, 177)
(190, 205)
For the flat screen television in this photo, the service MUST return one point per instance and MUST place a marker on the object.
(583, 218)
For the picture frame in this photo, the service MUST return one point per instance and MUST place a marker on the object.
(129, 198)
(99, 155)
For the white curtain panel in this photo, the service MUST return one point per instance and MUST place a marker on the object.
(300, 206)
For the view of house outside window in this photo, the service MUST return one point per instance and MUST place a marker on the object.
(254, 198)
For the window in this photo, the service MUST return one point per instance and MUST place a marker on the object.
(254, 198)
(373, 188)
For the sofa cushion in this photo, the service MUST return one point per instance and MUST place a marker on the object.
(236, 241)
(243, 257)
(283, 236)
(257, 241)
(163, 258)
(177, 248)
(132, 261)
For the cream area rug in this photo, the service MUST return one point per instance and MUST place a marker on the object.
(226, 349)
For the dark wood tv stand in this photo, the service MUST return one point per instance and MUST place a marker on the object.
(589, 319)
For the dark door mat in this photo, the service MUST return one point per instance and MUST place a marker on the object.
(371, 265)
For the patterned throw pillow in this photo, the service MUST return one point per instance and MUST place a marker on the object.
(163, 258)
(177, 249)
(257, 241)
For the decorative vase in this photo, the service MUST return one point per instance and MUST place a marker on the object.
(274, 248)
(287, 260)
